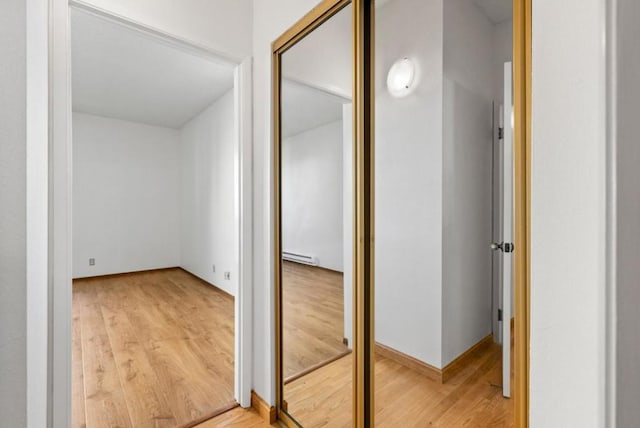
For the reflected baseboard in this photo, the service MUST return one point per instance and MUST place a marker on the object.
(316, 366)
(469, 356)
(230, 406)
(409, 362)
(432, 372)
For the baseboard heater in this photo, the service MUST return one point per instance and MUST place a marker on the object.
(299, 258)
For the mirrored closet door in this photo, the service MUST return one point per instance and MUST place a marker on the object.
(427, 323)
(314, 184)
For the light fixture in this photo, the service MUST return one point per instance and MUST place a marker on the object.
(401, 78)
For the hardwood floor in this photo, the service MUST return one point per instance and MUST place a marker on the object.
(404, 397)
(313, 329)
(155, 349)
(313, 322)
(151, 349)
(238, 418)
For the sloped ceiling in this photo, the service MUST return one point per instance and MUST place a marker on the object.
(123, 73)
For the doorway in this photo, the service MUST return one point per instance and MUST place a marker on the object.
(161, 232)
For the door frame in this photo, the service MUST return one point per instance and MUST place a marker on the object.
(522, 75)
(58, 381)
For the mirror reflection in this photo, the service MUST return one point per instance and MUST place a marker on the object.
(443, 197)
(317, 218)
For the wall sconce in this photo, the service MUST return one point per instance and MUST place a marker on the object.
(401, 78)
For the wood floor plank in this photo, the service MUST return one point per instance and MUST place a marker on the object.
(147, 405)
(104, 398)
(405, 397)
(313, 323)
(238, 418)
(184, 378)
(78, 417)
(155, 353)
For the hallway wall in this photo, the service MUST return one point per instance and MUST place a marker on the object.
(627, 233)
(568, 206)
(24, 153)
(468, 52)
(13, 215)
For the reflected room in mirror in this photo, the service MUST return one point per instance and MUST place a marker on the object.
(316, 224)
(443, 175)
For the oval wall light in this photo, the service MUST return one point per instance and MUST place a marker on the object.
(401, 78)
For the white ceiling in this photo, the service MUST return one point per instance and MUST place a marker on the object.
(123, 73)
(305, 108)
(496, 10)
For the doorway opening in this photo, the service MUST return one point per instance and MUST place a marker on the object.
(159, 231)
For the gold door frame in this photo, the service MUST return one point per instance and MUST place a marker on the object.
(522, 186)
(363, 273)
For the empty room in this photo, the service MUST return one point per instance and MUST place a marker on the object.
(155, 228)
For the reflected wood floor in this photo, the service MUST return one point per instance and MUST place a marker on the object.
(405, 398)
(313, 317)
(150, 349)
(238, 418)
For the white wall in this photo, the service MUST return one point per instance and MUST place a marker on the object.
(467, 216)
(24, 212)
(312, 195)
(626, 99)
(468, 47)
(125, 196)
(209, 218)
(220, 25)
(13, 215)
(568, 214)
(270, 19)
(467, 186)
(502, 52)
(409, 182)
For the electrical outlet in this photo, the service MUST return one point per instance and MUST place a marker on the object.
(227, 275)
(92, 262)
(213, 268)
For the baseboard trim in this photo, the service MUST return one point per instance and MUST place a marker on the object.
(317, 366)
(212, 415)
(410, 362)
(463, 360)
(205, 282)
(120, 274)
(434, 373)
(166, 269)
(267, 412)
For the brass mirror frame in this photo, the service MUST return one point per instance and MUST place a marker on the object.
(364, 161)
(363, 92)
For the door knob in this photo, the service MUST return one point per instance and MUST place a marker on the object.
(506, 247)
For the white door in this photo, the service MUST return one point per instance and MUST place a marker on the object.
(507, 246)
